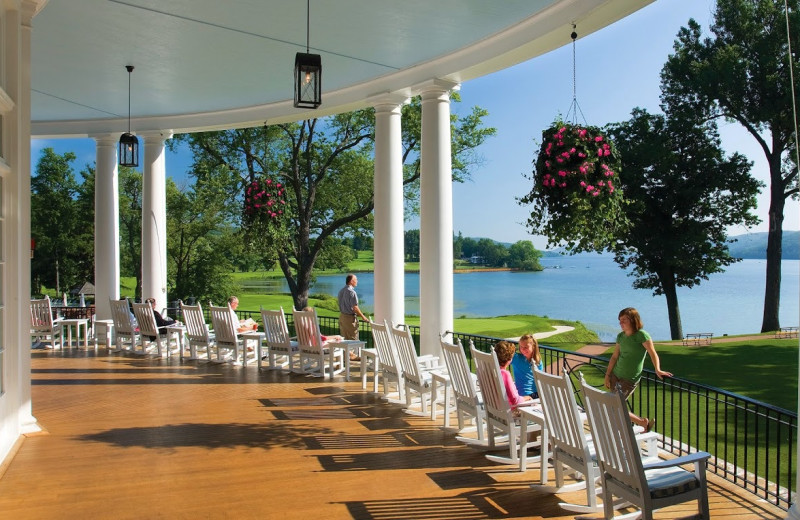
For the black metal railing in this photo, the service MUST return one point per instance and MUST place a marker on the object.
(753, 444)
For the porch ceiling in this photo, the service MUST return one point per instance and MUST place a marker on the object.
(206, 64)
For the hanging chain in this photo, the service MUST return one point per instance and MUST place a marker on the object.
(574, 36)
(574, 108)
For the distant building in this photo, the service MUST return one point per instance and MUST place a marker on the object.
(477, 259)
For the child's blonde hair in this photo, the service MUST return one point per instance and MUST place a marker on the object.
(529, 338)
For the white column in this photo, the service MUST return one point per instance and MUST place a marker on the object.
(154, 218)
(15, 48)
(389, 240)
(106, 225)
(436, 218)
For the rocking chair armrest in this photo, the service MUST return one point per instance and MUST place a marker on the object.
(679, 461)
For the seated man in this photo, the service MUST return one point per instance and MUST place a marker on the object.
(247, 325)
(161, 322)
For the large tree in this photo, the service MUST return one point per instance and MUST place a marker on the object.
(326, 168)
(681, 193)
(741, 73)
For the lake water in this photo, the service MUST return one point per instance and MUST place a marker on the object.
(592, 289)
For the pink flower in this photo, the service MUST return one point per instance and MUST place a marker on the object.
(269, 181)
(572, 150)
(562, 173)
(595, 194)
(599, 152)
(589, 188)
(283, 202)
(269, 203)
(597, 139)
(583, 184)
(563, 184)
(606, 152)
(582, 155)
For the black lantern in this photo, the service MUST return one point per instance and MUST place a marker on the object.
(307, 73)
(307, 80)
(128, 143)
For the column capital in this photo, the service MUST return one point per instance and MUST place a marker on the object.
(388, 101)
(111, 138)
(436, 86)
(156, 135)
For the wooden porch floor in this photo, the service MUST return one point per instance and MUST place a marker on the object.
(133, 437)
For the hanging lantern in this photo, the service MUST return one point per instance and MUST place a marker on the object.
(128, 143)
(307, 73)
(307, 80)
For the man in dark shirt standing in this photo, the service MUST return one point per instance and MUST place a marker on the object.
(348, 309)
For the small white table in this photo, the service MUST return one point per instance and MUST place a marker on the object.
(533, 415)
(105, 338)
(369, 358)
(440, 379)
(247, 337)
(180, 330)
(77, 323)
(347, 345)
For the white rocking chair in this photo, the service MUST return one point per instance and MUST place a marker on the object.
(649, 486)
(499, 414)
(278, 342)
(469, 403)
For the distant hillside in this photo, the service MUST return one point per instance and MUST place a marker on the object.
(754, 245)
(749, 245)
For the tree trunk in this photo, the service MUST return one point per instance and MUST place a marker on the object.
(772, 291)
(674, 312)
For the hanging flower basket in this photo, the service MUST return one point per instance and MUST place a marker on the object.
(264, 217)
(264, 202)
(575, 193)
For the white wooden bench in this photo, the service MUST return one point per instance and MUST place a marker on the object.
(786, 332)
(698, 338)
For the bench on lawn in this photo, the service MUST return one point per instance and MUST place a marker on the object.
(698, 338)
(786, 332)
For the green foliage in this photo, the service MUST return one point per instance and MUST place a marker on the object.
(130, 225)
(201, 243)
(522, 255)
(64, 252)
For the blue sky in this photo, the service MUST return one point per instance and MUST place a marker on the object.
(617, 70)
